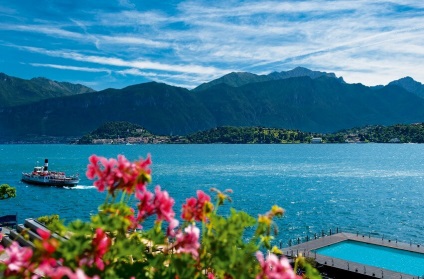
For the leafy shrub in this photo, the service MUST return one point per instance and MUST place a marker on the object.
(7, 192)
(52, 222)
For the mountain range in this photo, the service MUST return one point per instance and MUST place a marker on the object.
(298, 99)
(242, 78)
(16, 91)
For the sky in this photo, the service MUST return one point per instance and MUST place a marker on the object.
(116, 43)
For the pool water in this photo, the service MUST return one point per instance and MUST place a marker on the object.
(378, 256)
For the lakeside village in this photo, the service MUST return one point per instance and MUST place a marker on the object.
(129, 133)
(351, 138)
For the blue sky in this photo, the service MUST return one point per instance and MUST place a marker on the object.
(116, 43)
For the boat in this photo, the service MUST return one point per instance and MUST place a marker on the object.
(41, 175)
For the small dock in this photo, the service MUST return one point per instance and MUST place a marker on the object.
(338, 268)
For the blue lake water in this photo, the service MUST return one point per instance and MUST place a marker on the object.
(379, 256)
(370, 188)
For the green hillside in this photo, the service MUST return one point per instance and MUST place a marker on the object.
(16, 91)
(121, 132)
(317, 105)
(249, 135)
(125, 132)
(157, 107)
(115, 130)
(400, 133)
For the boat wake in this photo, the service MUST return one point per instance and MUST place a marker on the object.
(80, 187)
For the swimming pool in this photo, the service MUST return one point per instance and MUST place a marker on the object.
(378, 256)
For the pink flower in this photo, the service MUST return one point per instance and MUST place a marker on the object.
(196, 209)
(43, 233)
(145, 205)
(160, 203)
(188, 242)
(172, 225)
(79, 274)
(132, 220)
(119, 174)
(52, 271)
(50, 268)
(49, 245)
(93, 168)
(18, 258)
(189, 209)
(163, 204)
(101, 244)
(274, 268)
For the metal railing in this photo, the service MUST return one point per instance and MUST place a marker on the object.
(323, 233)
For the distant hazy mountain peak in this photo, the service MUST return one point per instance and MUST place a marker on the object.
(301, 71)
(4, 77)
(39, 78)
(241, 75)
(17, 91)
(237, 79)
(405, 80)
(410, 85)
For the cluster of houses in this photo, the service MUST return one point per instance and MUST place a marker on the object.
(140, 140)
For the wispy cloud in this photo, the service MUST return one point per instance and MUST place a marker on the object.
(47, 30)
(126, 4)
(198, 40)
(53, 31)
(114, 61)
(72, 68)
(132, 40)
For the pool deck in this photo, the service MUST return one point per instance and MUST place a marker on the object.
(346, 268)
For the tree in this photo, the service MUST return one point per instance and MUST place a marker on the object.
(7, 192)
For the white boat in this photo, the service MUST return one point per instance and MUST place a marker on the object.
(42, 176)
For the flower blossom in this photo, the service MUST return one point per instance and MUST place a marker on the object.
(49, 268)
(160, 204)
(196, 209)
(145, 205)
(163, 204)
(172, 225)
(119, 174)
(79, 274)
(65, 272)
(132, 220)
(18, 259)
(188, 242)
(49, 245)
(274, 268)
(101, 243)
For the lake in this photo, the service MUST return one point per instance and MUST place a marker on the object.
(376, 189)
